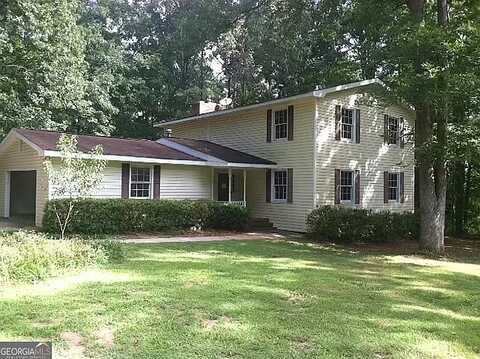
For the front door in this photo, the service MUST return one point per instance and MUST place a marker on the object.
(223, 187)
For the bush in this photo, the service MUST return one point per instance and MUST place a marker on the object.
(30, 256)
(349, 224)
(113, 216)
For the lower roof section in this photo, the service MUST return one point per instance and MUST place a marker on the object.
(168, 151)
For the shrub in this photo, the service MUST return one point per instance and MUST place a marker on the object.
(349, 224)
(228, 216)
(30, 256)
(113, 216)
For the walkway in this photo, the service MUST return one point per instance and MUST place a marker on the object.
(143, 238)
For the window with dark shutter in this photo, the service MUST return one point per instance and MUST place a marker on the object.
(290, 185)
(156, 182)
(338, 120)
(385, 187)
(269, 125)
(357, 126)
(357, 187)
(291, 115)
(402, 132)
(402, 187)
(337, 187)
(125, 180)
(268, 185)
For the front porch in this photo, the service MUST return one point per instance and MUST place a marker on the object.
(229, 185)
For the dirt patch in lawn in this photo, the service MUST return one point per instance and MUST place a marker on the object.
(75, 346)
(105, 337)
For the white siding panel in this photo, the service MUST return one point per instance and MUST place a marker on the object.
(21, 157)
(247, 131)
(111, 185)
(371, 156)
(185, 182)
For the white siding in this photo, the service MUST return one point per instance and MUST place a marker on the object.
(246, 131)
(371, 156)
(111, 185)
(185, 182)
(21, 157)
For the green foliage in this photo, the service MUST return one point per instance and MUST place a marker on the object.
(349, 224)
(101, 216)
(227, 216)
(30, 256)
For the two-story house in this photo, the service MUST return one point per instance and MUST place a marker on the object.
(281, 158)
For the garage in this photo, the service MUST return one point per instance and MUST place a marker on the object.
(23, 186)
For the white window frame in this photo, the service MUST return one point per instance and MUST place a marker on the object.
(354, 125)
(274, 126)
(150, 190)
(397, 136)
(397, 199)
(352, 200)
(273, 192)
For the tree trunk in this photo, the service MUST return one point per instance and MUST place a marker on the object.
(432, 184)
(459, 199)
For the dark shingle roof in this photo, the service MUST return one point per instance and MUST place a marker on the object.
(224, 153)
(47, 140)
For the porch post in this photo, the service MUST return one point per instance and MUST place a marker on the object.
(229, 185)
(212, 181)
(244, 187)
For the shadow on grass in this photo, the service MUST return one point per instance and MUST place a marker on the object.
(262, 299)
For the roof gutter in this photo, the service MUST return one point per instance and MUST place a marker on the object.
(115, 158)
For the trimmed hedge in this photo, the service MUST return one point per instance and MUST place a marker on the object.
(349, 224)
(113, 216)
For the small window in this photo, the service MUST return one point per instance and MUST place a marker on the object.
(393, 186)
(280, 124)
(280, 184)
(346, 186)
(392, 130)
(347, 123)
(140, 182)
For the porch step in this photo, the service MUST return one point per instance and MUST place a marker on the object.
(260, 224)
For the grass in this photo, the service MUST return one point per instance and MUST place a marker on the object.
(253, 299)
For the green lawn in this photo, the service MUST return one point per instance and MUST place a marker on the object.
(253, 299)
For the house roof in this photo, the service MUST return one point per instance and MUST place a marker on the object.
(212, 149)
(311, 94)
(47, 141)
(173, 151)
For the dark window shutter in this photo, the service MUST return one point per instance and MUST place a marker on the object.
(357, 187)
(125, 180)
(291, 121)
(385, 129)
(290, 185)
(338, 122)
(402, 132)
(385, 187)
(402, 187)
(337, 187)
(269, 125)
(357, 126)
(156, 182)
(268, 186)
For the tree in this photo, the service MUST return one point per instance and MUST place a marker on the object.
(76, 175)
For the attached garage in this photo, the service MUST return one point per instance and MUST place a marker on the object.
(21, 196)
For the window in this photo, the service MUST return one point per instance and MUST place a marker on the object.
(280, 124)
(393, 186)
(392, 130)
(347, 123)
(140, 182)
(280, 184)
(346, 186)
